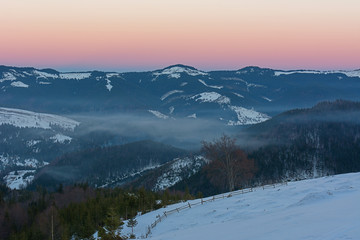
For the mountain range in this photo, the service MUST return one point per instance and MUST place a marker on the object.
(247, 95)
(46, 115)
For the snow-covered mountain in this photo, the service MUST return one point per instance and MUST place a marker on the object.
(29, 141)
(245, 96)
(322, 208)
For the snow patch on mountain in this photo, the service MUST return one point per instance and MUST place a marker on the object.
(239, 95)
(12, 161)
(354, 73)
(179, 169)
(175, 72)
(108, 85)
(77, 76)
(44, 83)
(41, 74)
(19, 84)
(4, 160)
(211, 97)
(163, 97)
(210, 86)
(171, 110)
(247, 116)
(278, 73)
(267, 99)
(7, 77)
(109, 75)
(183, 84)
(32, 143)
(192, 116)
(22, 118)
(19, 179)
(158, 114)
(31, 162)
(60, 138)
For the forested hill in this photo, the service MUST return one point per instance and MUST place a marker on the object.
(311, 142)
(339, 111)
(104, 166)
(297, 144)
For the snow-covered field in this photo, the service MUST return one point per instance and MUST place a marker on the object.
(324, 208)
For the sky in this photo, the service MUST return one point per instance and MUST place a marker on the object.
(126, 35)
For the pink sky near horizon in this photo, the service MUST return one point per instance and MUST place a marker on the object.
(149, 34)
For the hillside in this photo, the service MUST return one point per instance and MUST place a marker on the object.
(322, 208)
(107, 166)
(304, 143)
(297, 144)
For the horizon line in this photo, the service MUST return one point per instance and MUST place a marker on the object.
(62, 70)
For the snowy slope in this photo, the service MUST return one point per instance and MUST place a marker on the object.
(211, 97)
(247, 116)
(177, 170)
(21, 118)
(175, 72)
(323, 208)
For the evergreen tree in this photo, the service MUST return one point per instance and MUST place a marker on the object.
(132, 223)
(113, 223)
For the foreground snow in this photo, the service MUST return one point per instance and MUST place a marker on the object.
(323, 208)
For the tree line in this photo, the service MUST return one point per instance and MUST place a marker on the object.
(76, 211)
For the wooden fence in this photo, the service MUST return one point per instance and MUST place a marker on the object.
(202, 201)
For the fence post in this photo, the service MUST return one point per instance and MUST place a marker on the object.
(189, 205)
(165, 214)
(202, 201)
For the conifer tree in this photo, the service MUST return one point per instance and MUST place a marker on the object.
(132, 223)
(113, 223)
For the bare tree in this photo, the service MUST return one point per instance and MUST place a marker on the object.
(229, 166)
